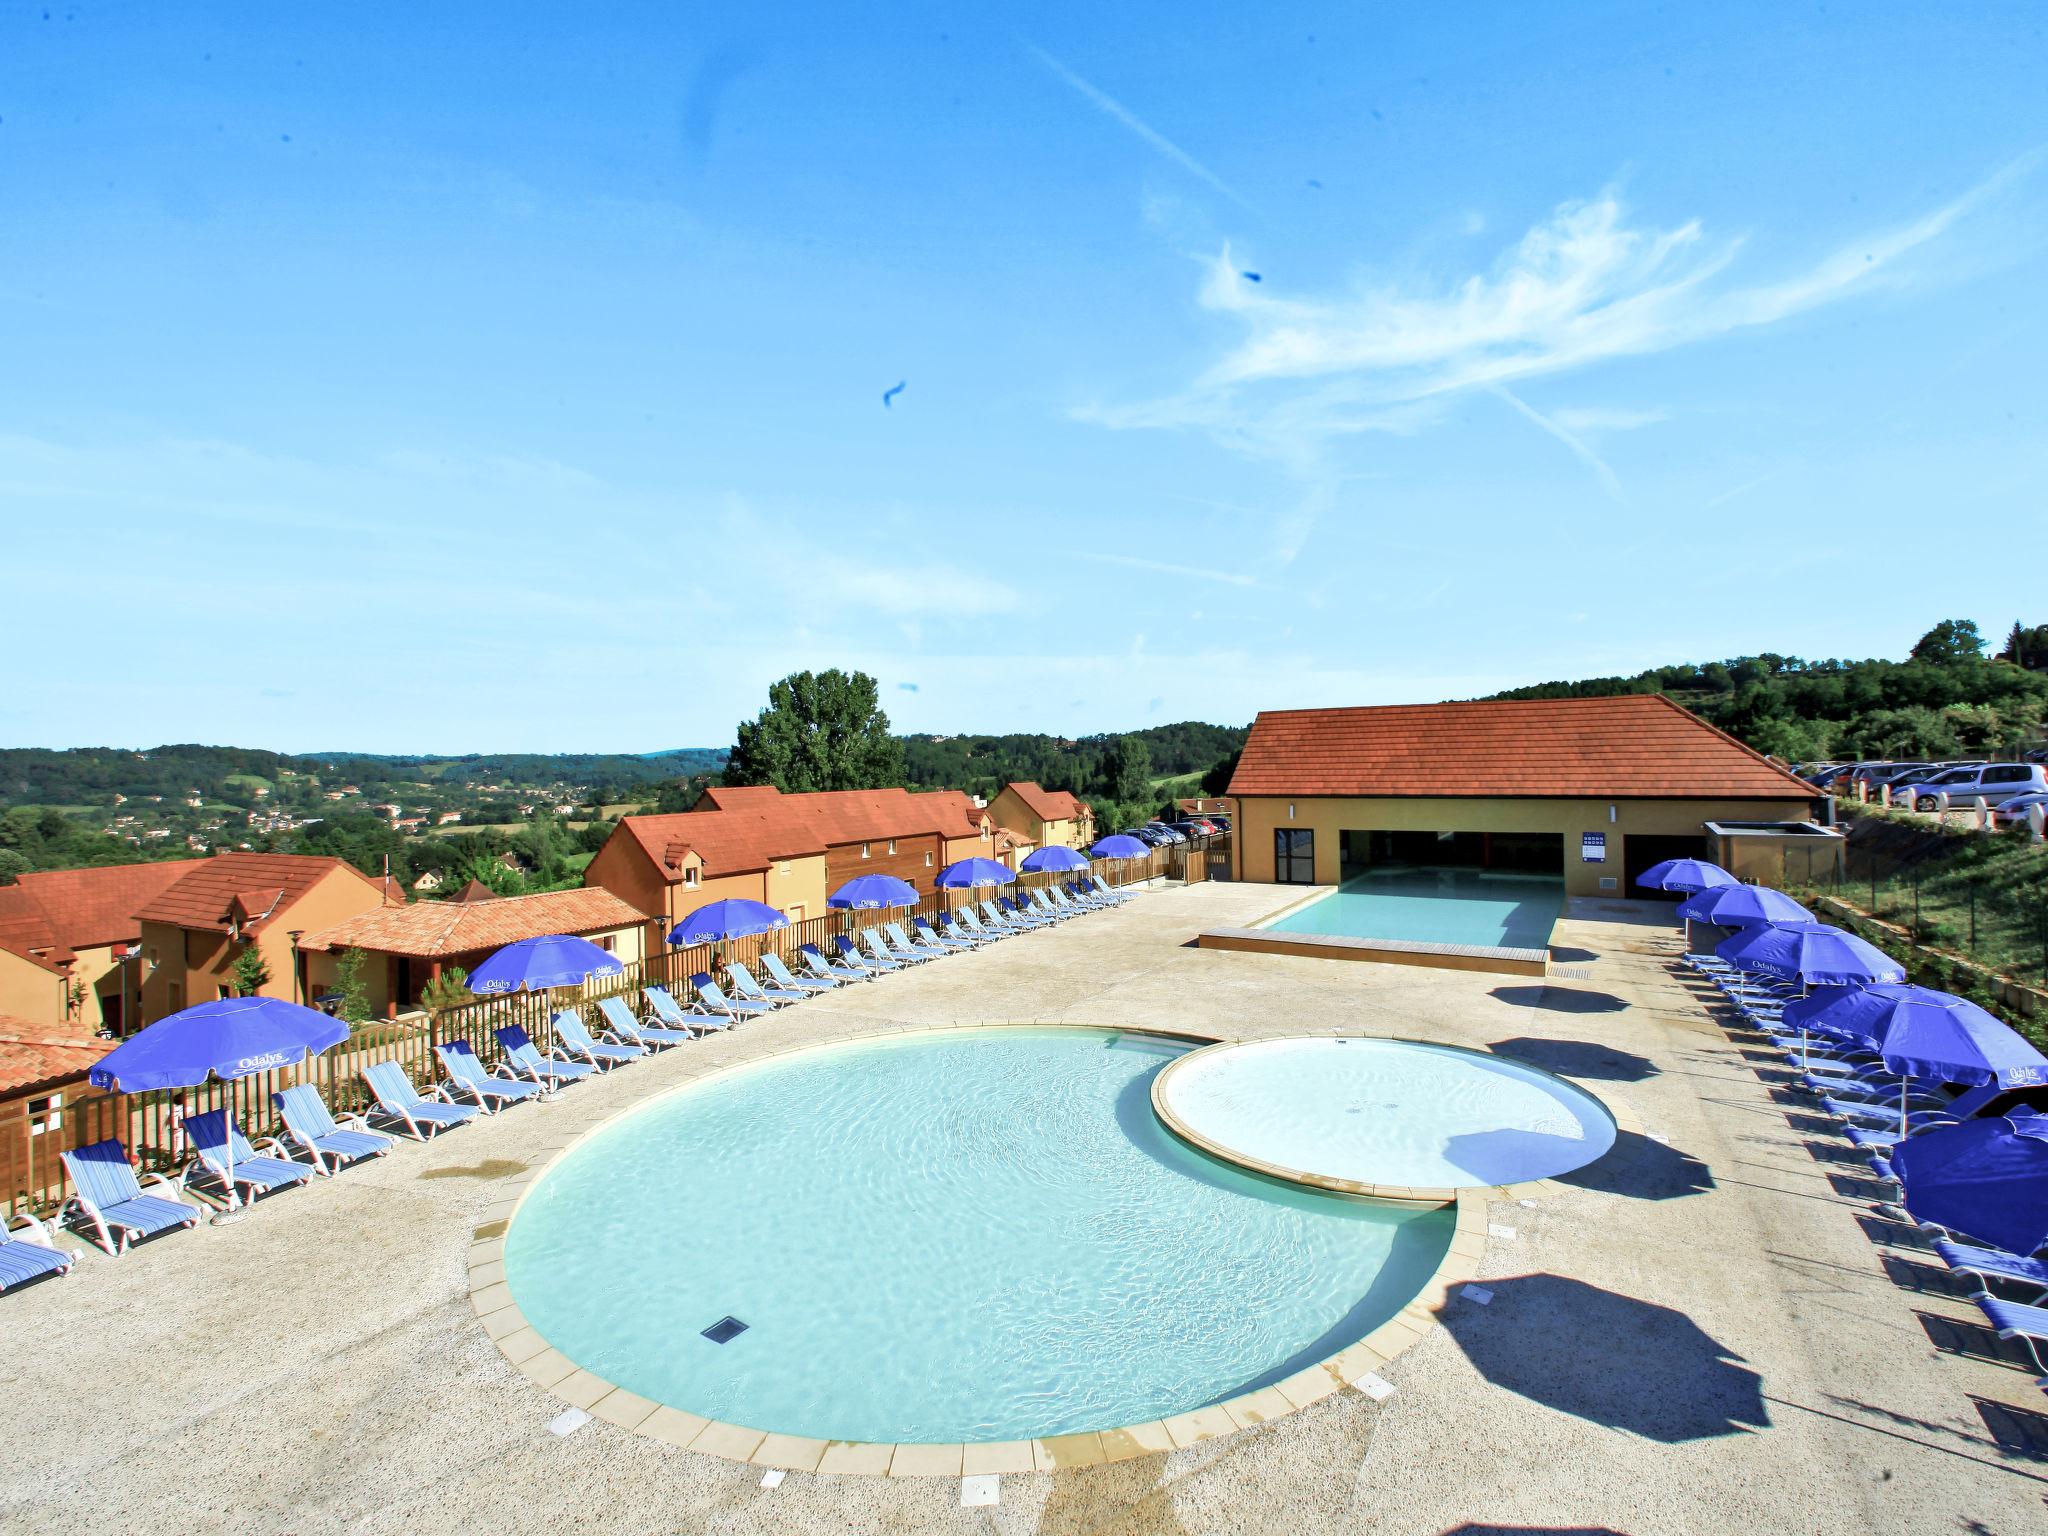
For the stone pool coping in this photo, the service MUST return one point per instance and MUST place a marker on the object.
(1624, 1120)
(547, 1368)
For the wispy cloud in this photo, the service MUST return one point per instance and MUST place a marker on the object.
(1144, 131)
(1597, 418)
(1168, 568)
(1587, 285)
(1600, 467)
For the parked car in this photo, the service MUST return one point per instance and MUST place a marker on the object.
(1996, 782)
(2006, 812)
(1904, 784)
(1150, 836)
(1876, 775)
(1172, 836)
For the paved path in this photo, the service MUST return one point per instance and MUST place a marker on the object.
(1708, 1333)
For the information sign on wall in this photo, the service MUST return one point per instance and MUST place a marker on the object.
(1593, 848)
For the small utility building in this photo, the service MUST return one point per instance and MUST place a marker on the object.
(1594, 790)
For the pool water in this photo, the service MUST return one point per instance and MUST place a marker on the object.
(1390, 1112)
(1437, 906)
(960, 1236)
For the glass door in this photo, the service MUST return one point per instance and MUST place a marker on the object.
(1294, 856)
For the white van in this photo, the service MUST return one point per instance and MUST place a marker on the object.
(1995, 782)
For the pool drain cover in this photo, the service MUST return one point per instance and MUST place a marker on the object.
(725, 1330)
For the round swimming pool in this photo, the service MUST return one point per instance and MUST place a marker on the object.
(1388, 1113)
(966, 1235)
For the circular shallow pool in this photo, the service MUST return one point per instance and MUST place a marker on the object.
(1391, 1113)
(967, 1235)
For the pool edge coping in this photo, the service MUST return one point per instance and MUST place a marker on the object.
(530, 1354)
(1625, 1122)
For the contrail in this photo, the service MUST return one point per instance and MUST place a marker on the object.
(1144, 130)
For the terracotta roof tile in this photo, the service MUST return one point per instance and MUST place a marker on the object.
(204, 897)
(761, 826)
(85, 908)
(437, 930)
(31, 1056)
(1632, 746)
(1048, 804)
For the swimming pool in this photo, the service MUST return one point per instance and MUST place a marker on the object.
(962, 1236)
(1436, 906)
(1360, 1111)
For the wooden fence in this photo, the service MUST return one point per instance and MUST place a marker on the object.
(60, 1117)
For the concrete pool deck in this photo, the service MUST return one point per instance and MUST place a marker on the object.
(1706, 1331)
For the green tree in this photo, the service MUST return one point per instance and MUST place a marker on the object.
(820, 731)
(13, 862)
(250, 972)
(1127, 769)
(1952, 642)
(353, 985)
(450, 989)
(1217, 780)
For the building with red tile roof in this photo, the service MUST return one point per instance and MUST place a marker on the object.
(411, 945)
(195, 929)
(33, 1057)
(1593, 789)
(1044, 817)
(789, 851)
(78, 926)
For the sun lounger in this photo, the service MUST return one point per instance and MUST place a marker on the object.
(789, 981)
(213, 1136)
(880, 952)
(108, 1194)
(874, 960)
(744, 984)
(970, 921)
(551, 1070)
(621, 1028)
(577, 1041)
(2016, 1320)
(945, 939)
(1022, 915)
(1082, 896)
(422, 1114)
(31, 1255)
(669, 1013)
(923, 949)
(308, 1122)
(712, 1001)
(491, 1090)
(816, 963)
(1115, 894)
(1984, 1265)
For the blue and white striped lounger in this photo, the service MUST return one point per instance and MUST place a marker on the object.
(31, 1255)
(789, 981)
(743, 983)
(816, 963)
(1987, 1264)
(551, 1070)
(111, 1197)
(577, 1041)
(901, 943)
(307, 1121)
(621, 1028)
(667, 1012)
(880, 954)
(213, 1136)
(714, 1002)
(492, 1092)
(421, 1114)
(2015, 1320)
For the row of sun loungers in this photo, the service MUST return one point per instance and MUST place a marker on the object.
(120, 1207)
(1856, 1090)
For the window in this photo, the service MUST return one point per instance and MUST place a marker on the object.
(1294, 856)
(689, 879)
(892, 845)
(863, 850)
(927, 861)
(609, 943)
(152, 957)
(796, 913)
(46, 1114)
(225, 990)
(785, 867)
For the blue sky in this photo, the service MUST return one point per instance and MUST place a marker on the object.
(510, 377)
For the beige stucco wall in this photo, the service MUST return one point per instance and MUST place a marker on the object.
(197, 962)
(1259, 816)
(1009, 810)
(27, 991)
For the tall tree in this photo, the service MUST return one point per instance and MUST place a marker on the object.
(1950, 643)
(822, 730)
(1127, 769)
